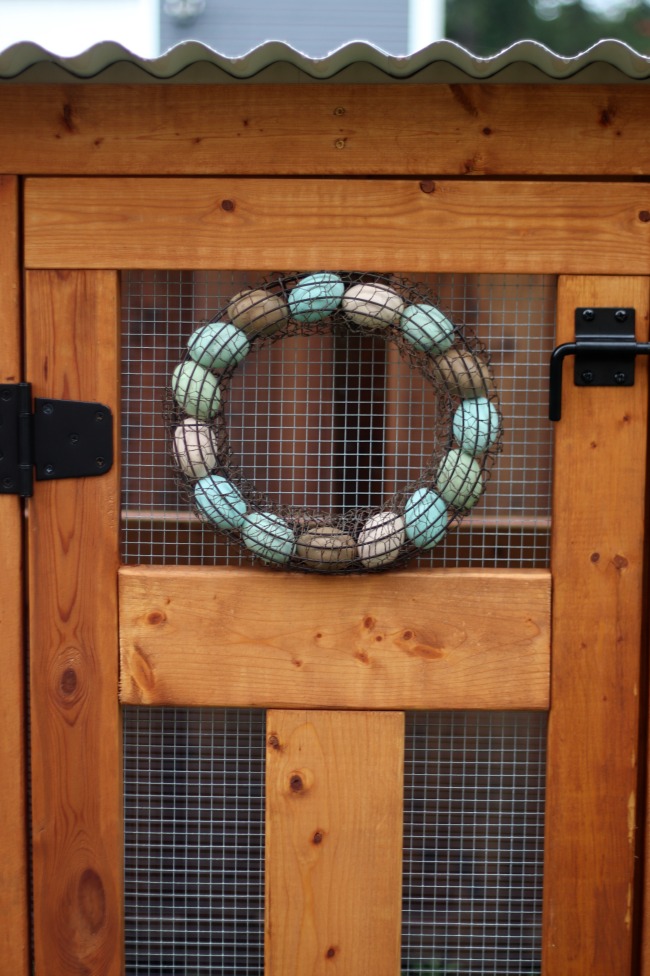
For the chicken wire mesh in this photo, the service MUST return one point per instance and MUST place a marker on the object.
(336, 421)
(194, 842)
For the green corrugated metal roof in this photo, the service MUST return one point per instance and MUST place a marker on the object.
(607, 62)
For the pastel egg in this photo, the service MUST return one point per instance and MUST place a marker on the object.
(268, 536)
(475, 425)
(218, 345)
(258, 312)
(465, 375)
(459, 480)
(220, 502)
(373, 305)
(426, 518)
(195, 448)
(196, 390)
(380, 539)
(427, 328)
(315, 297)
(326, 548)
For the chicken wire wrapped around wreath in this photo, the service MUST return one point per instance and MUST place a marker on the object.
(409, 521)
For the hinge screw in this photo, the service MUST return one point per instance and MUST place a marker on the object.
(7, 483)
(99, 416)
(588, 376)
(99, 462)
(620, 377)
(48, 408)
(620, 315)
(588, 315)
(73, 438)
(49, 469)
(6, 395)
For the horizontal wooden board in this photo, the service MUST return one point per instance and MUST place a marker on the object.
(325, 129)
(383, 225)
(415, 639)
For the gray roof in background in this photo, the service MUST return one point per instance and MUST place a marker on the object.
(234, 27)
(608, 62)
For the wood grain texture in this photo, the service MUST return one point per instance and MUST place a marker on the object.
(386, 225)
(326, 129)
(72, 352)
(597, 562)
(14, 910)
(414, 639)
(334, 813)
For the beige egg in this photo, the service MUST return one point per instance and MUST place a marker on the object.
(465, 375)
(258, 312)
(380, 539)
(372, 305)
(326, 548)
(195, 448)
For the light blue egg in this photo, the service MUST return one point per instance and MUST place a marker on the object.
(425, 517)
(459, 480)
(196, 390)
(268, 536)
(475, 425)
(220, 502)
(427, 328)
(218, 345)
(315, 297)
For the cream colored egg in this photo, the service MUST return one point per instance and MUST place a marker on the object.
(195, 448)
(380, 539)
(258, 312)
(372, 305)
(464, 374)
(326, 548)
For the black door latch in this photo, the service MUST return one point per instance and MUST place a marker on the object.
(604, 350)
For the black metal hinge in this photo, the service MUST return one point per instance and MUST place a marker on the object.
(604, 350)
(60, 439)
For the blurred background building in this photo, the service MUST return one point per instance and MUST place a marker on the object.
(233, 27)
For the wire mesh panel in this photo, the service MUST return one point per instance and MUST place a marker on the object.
(473, 843)
(194, 842)
(337, 420)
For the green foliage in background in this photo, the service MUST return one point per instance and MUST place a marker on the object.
(566, 26)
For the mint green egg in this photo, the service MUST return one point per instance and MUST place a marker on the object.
(475, 425)
(218, 345)
(268, 536)
(220, 502)
(459, 480)
(425, 517)
(427, 328)
(196, 390)
(316, 296)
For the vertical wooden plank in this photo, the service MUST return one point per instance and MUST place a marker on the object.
(598, 526)
(72, 353)
(14, 939)
(334, 842)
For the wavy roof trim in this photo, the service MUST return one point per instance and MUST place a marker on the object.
(444, 61)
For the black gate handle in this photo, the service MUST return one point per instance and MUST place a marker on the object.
(595, 350)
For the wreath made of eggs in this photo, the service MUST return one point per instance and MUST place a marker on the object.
(410, 521)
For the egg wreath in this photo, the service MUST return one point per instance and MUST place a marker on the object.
(414, 518)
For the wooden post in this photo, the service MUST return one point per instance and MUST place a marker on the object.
(334, 801)
(14, 913)
(598, 530)
(72, 353)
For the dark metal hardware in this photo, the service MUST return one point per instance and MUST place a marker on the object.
(604, 350)
(61, 439)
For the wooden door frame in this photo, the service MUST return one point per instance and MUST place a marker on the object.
(14, 872)
(72, 350)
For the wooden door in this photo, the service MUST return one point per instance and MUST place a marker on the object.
(326, 658)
